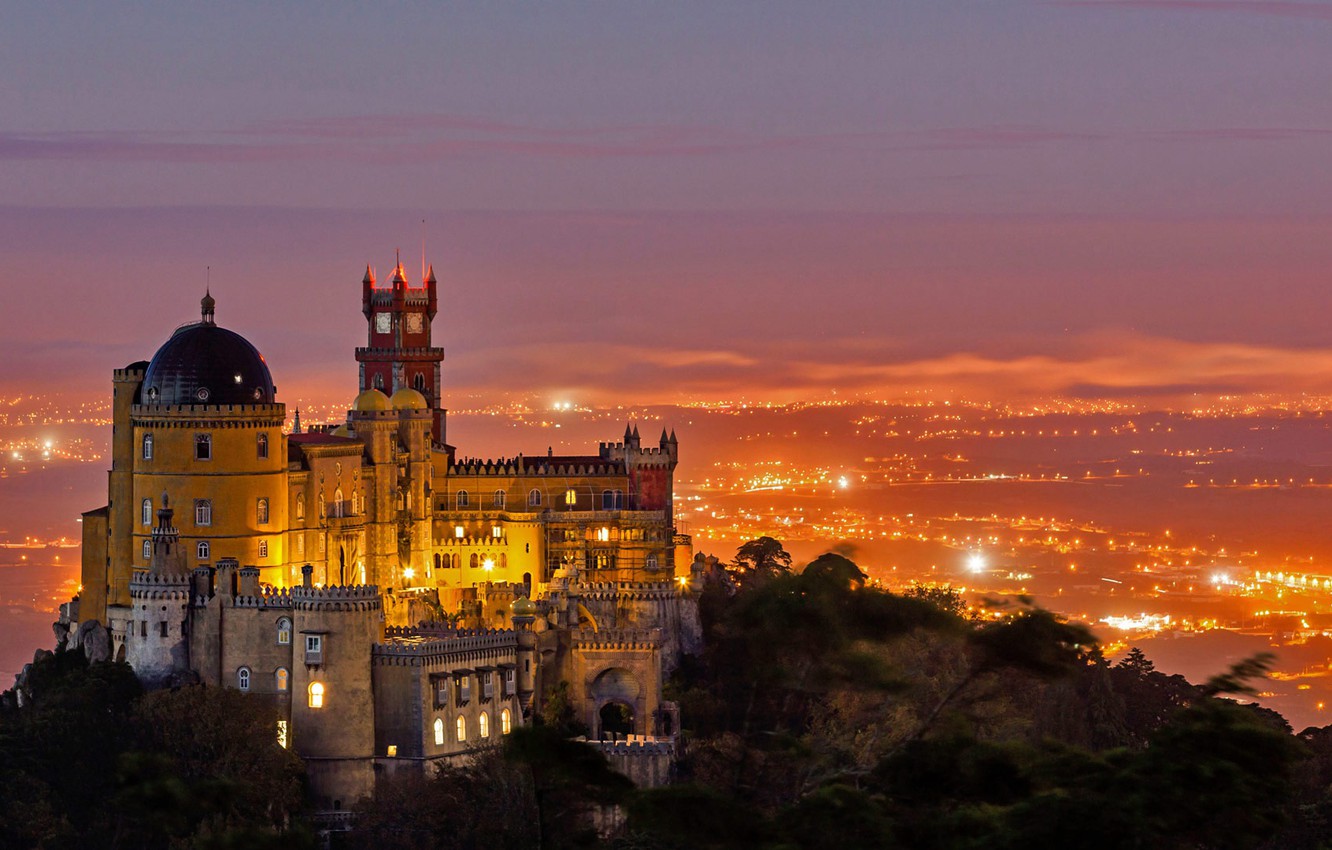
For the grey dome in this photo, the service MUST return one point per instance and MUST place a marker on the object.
(205, 364)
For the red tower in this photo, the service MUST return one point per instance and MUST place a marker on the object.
(398, 352)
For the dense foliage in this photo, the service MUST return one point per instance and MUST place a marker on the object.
(93, 761)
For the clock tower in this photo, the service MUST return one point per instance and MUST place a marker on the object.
(398, 354)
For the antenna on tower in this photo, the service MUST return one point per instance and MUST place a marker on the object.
(423, 234)
(208, 279)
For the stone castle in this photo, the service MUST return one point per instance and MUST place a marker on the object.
(401, 605)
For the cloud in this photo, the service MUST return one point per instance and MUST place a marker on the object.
(1270, 8)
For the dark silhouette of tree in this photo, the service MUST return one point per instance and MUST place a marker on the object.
(761, 559)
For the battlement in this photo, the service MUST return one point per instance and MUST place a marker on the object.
(618, 639)
(637, 745)
(146, 585)
(417, 647)
(269, 597)
(359, 597)
(609, 590)
(209, 415)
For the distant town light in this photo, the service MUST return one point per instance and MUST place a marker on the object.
(843, 483)
(976, 563)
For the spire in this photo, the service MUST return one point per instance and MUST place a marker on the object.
(296, 422)
(430, 274)
(664, 438)
(399, 275)
(369, 275)
(635, 432)
(673, 440)
(628, 432)
(206, 305)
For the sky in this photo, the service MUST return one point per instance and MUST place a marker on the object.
(663, 201)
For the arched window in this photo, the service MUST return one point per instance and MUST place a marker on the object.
(504, 561)
(203, 512)
(356, 502)
(284, 631)
(608, 500)
(316, 694)
(261, 511)
(570, 497)
(337, 502)
(462, 499)
(146, 509)
(281, 680)
(418, 383)
(203, 447)
(437, 561)
(439, 731)
(263, 548)
(483, 725)
(461, 728)
(619, 500)
(323, 509)
(261, 446)
(473, 564)
(147, 446)
(379, 382)
(202, 550)
(147, 549)
(534, 499)
(300, 506)
(243, 678)
(506, 722)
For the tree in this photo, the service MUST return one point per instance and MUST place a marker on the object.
(761, 559)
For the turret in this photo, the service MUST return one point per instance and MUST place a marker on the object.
(432, 297)
(367, 291)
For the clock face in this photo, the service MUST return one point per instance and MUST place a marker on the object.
(414, 323)
(383, 323)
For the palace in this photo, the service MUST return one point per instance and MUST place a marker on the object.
(400, 603)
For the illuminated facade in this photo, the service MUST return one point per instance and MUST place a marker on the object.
(400, 603)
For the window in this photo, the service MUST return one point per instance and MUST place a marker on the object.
(570, 497)
(316, 694)
(483, 725)
(498, 501)
(439, 731)
(379, 382)
(392, 750)
(261, 446)
(651, 562)
(473, 562)
(441, 692)
(243, 678)
(459, 532)
(147, 446)
(282, 734)
(461, 727)
(147, 549)
(534, 499)
(263, 548)
(261, 511)
(356, 503)
(508, 681)
(323, 509)
(146, 511)
(619, 500)
(603, 534)
(300, 545)
(203, 446)
(337, 502)
(314, 644)
(497, 531)
(506, 722)
(203, 512)
(281, 680)
(464, 689)
(202, 550)
(162, 628)
(284, 632)
(487, 686)
(462, 499)
(418, 383)
(300, 506)
(607, 500)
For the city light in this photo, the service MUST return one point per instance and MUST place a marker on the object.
(976, 562)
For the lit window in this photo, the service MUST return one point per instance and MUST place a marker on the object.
(263, 548)
(261, 446)
(203, 447)
(316, 694)
(203, 512)
(571, 497)
(337, 502)
(461, 727)
(506, 722)
(300, 506)
(534, 499)
(261, 511)
(146, 509)
(147, 446)
(439, 731)
(281, 680)
(147, 549)
(483, 725)
(459, 532)
(500, 495)
(282, 734)
(603, 534)
(496, 531)
(284, 632)
(202, 550)
(462, 499)
(243, 678)
(392, 750)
